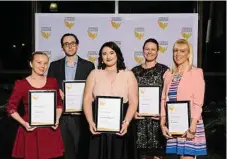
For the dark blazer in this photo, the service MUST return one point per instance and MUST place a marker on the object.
(77, 126)
(57, 70)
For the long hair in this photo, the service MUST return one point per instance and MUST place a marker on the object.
(120, 59)
(190, 50)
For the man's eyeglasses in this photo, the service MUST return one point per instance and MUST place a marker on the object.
(72, 44)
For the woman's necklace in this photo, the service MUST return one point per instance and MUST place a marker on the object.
(178, 75)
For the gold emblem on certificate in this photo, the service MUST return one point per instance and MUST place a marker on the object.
(178, 116)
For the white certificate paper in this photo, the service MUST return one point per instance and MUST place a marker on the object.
(149, 101)
(178, 117)
(109, 114)
(74, 91)
(42, 108)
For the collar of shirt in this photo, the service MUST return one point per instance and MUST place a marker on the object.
(74, 63)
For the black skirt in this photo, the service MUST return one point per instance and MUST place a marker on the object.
(110, 146)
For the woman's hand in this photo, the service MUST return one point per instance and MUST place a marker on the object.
(189, 135)
(28, 127)
(56, 124)
(138, 116)
(155, 117)
(93, 128)
(166, 133)
(124, 128)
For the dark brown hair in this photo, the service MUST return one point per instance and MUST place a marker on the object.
(120, 59)
(152, 41)
(69, 34)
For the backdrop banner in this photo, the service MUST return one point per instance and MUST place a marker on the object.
(129, 31)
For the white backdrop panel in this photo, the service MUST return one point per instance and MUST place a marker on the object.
(129, 31)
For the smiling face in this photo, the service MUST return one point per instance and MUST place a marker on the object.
(39, 64)
(109, 56)
(150, 51)
(180, 53)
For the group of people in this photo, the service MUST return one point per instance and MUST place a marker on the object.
(74, 136)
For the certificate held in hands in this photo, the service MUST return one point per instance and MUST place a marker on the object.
(73, 99)
(108, 114)
(42, 108)
(178, 117)
(149, 101)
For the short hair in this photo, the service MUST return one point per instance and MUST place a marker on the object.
(120, 59)
(152, 41)
(69, 34)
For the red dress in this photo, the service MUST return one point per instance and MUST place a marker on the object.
(42, 143)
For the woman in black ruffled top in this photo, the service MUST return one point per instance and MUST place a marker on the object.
(149, 140)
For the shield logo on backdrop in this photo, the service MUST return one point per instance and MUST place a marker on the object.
(92, 56)
(163, 22)
(139, 33)
(92, 32)
(116, 22)
(186, 32)
(69, 22)
(163, 46)
(46, 32)
(138, 57)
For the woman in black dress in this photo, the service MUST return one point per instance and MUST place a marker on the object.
(149, 140)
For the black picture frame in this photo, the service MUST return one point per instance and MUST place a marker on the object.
(96, 109)
(167, 115)
(30, 107)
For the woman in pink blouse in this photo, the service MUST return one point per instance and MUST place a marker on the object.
(110, 79)
(185, 82)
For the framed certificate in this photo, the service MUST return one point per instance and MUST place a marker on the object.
(73, 99)
(149, 100)
(42, 108)
(108, 114)
(178, 116)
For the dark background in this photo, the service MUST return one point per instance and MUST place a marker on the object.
(17, 22)
(16, 28)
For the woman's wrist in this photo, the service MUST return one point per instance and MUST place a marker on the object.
(126, 121)
(58, 117)
(191, 132)
(23, 123)
(162, 126)
(90, 122)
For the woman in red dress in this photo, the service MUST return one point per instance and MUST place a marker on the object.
(32, 142)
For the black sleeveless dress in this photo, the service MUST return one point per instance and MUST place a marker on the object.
(149, 138)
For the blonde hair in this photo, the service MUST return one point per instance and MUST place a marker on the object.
(190, 50)
(38, 53)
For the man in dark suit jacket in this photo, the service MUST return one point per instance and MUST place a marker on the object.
(74, 127)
